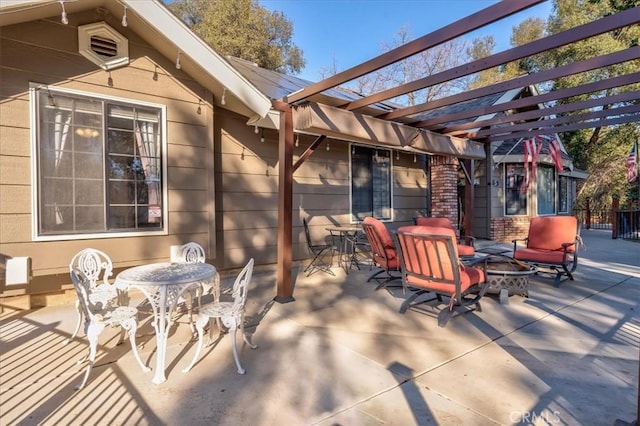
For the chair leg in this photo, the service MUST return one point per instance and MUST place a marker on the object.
(75, 333)
(245, 337)
(318, 263)
(92, 331)
(200, 323)
(233, 331)
(131, 327)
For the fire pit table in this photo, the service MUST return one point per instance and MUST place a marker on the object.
(505, 275)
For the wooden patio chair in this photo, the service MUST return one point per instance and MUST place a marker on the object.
(551, 244)
(383, 251)
(430, 264)
(466, 244)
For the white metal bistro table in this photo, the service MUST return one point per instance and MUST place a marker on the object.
(163, 284)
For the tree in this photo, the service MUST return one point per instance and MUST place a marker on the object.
(432, 61)
(599, 150)
(592, 149)
(244, 29)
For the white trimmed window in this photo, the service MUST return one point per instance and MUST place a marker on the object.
(546, 190)
(515, 193)
(370, 183)
(99, 166)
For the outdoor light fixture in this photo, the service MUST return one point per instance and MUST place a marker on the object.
(298, 139)
(255, 129)
(199, 110)
(328, 147)
(397, 155)
(178, 64)
(124, 18)
(63, 16)
(223, 100)
(262, 136)
(415, 158)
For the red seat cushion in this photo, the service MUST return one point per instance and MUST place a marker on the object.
(550, 232)
(416, 263)
(465, 250)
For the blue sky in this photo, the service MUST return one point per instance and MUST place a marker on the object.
(351, 31)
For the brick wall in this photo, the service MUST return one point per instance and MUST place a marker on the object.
(444, 187)
(506, 229)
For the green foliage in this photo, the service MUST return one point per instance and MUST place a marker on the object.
(244, 29)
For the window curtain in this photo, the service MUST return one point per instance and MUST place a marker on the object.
(146, 134)
(61, 125)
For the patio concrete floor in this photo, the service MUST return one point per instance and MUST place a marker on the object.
(342, 354)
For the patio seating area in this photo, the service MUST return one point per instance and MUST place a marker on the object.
(343, 354)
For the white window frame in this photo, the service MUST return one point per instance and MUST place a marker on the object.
(33, 93)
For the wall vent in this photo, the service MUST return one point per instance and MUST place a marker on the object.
(103, 45)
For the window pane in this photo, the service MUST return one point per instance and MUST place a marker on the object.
(122, 217)
(370, 183)
(89, 192)
(89, 218)
(135, 166)
(515, 194)
(563, 194)
(546, 190)
(382, 184)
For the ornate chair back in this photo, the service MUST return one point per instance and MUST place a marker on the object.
(190, 253)
(95, 266)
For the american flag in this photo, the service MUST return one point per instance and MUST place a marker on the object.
(532, 148)
(632, 163)
(555, 151)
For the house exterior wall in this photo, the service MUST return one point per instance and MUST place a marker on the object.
(46, 52)
(507, 228)
(247, 198)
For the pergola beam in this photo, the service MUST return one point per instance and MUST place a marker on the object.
(460, 129)
(537, 124)
(575, 68)
(609, 23)
(463, 26)
(569, 128)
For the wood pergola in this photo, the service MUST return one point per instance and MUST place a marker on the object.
(605, 108)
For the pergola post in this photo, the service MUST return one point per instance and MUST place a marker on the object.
(285, 203)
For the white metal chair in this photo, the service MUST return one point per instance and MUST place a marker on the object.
(96, 267)
(230, 313)
(189, 253)
(98, 316)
